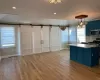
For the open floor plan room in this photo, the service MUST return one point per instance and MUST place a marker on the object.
(49, 39)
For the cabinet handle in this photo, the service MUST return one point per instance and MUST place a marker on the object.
(92, 54)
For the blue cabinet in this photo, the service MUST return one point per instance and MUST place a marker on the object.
(73, 55)
(86, 56)
(95, 56)
(92, 25)
(80, 55)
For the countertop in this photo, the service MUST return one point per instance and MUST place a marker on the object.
(84, 45)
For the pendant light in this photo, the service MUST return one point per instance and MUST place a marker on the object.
(82, 20)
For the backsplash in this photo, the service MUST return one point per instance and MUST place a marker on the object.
(91, 38)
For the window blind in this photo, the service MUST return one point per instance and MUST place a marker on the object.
(7, 36)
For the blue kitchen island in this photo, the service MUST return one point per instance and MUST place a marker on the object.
(85, 54)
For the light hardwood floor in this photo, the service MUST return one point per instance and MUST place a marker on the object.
(46, 66)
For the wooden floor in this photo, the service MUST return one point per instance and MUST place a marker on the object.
(46, 66)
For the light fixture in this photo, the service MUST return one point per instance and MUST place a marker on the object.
(55, 1)
(63, 27)
(82, 20)
(13, 7)
(55, 13)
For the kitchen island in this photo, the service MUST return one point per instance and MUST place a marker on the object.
(85, 54)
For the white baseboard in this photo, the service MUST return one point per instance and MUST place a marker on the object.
(64, 48)
(9, 56)
(26, 54)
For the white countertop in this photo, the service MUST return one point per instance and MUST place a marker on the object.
(84, 45)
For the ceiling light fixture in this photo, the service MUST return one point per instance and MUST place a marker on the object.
(55, 13)
(82, 18)
(14, 7)
(55, 1)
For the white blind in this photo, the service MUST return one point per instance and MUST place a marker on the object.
(7, 36)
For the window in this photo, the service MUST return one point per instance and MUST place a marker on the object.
(7, 36)
(64, 35)
(64, 38)
(81, 35)
(72, 34)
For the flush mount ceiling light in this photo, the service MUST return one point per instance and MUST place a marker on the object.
(82, 20)
(55, 1)
(55, 13)
(13, 7)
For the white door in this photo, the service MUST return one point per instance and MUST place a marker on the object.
(36, 39)
(26, 40)
(45, 39)
(55, 39)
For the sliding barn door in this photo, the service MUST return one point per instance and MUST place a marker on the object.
(26, 40)
(55, 39)
(36, 39)
(45, 39)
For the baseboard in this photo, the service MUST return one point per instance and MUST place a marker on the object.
(9, 56)
(65, 49)
(27, 54)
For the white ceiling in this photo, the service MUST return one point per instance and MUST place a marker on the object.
(41, 11)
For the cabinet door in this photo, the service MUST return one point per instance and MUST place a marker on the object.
(80, 55)
(73, 53)
(87, 56)
(95, 56)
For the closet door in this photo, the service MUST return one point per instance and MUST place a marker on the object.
(55, 39)
(45, 39)
(36, 39)
(26, 40)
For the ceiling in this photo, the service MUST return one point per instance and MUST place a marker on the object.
(41, 11)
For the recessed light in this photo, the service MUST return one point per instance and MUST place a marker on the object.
(14, 7)
(55, 13)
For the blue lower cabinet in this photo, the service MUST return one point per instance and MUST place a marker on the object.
(95, 56)
(87, 56)
(80, 55)
(73, 53)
